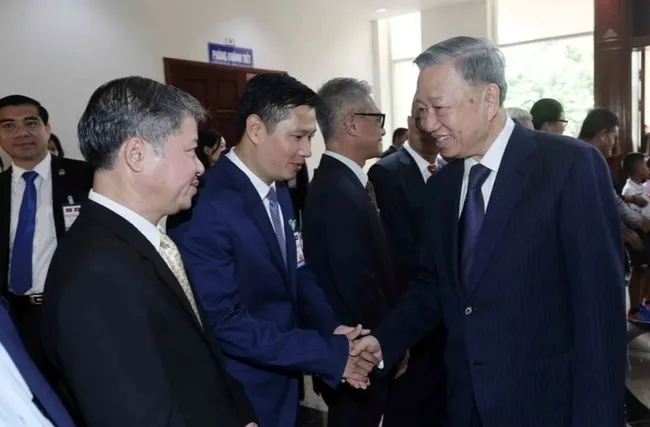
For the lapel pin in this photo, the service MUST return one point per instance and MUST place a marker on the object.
(61, 172)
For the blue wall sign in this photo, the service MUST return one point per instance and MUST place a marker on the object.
(230, 55)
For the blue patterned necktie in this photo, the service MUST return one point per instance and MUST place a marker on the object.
(21, 277)
(471, 220)
(276, 221)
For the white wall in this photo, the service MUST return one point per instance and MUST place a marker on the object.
(60, 51)
(458, 19)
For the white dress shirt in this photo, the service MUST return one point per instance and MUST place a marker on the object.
(17, 408)
(358, 171)
(148, 230)
(45, 231)
(261, 186)
(632, 188)
(422, 164)
(491, 160)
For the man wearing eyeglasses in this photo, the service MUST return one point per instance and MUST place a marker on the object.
(343, 236)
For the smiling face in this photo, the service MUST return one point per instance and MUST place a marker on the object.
(23, 135)
(168, 178)
(457, 114)
(282, 153)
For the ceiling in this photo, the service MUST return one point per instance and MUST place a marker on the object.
(369, 8)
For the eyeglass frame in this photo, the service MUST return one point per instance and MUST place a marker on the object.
(380, 116)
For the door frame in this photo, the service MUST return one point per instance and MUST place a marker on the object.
(170, 62)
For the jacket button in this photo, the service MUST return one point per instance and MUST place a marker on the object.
(468, 311)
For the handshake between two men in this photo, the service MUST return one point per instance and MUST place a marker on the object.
(365, 355)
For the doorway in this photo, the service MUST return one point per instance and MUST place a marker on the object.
(217, 87)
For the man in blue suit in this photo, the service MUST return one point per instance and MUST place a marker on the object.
(243, 252)
(521, 260)
(25, 397)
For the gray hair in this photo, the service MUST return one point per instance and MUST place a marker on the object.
(519, 114)
(339, 96)
(477, 60)
(132, 107)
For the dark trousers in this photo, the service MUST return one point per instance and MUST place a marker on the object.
(349, 407)
(27, 318)
(416, 399)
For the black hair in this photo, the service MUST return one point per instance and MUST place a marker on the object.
(57, 143)
(398, 133)
(597, 120)
(546, 110)
(17, 100)
(207, 138)
(271, 96)
(631, 162)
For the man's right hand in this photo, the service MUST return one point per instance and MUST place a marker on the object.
(364, 355)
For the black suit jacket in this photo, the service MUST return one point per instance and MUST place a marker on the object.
(123, 336)
(70, 178)
(346, 247)
(390, 150)
(402, 197)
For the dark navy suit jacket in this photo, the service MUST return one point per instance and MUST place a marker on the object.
(272, 321)
(48, 400)
(538, 338)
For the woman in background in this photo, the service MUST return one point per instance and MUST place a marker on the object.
(208, 149)
(210, 146)
(54, 146)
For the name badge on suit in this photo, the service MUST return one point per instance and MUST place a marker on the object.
(70, 212)
(300, 256)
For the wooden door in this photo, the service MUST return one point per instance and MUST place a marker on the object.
(217, 87)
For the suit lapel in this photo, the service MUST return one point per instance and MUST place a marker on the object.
(509, 186)
(5, 224)
(127, 232)
(254, 204)
(58, 195)
(450, 206)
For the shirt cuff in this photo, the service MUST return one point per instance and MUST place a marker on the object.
(381, 365)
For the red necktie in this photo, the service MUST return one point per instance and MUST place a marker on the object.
(433, 168)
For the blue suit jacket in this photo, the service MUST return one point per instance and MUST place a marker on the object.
(49, 401)
(539, 336)
(272, 321)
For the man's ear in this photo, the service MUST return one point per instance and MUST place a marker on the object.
(134, 151)
(491, 98)
(255, 129)
(350, 124)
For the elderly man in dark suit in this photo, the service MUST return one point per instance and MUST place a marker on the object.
(40, 197)
(122, 324)
(521, 260)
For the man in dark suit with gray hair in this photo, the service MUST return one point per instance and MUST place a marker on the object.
(522, 262)
(122, 324)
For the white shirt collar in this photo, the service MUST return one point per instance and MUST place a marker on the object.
(261, 186)
(150, 231)
(494, 155)
(43, 169)
(634, 185)
(363, 177)
(423, 165)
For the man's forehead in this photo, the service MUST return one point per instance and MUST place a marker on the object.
(18, 112)
(303, 118)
